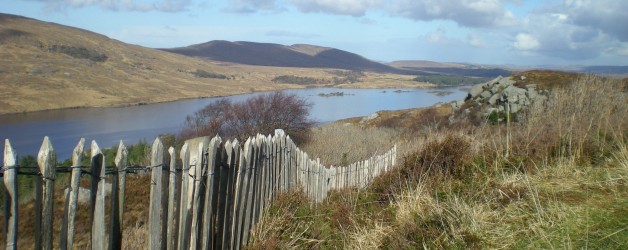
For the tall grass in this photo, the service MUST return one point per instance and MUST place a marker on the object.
(555, 179)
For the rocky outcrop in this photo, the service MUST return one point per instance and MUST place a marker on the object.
(500, 95)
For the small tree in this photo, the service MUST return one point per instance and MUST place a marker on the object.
(261, 114)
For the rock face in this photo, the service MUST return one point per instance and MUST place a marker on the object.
(501, 95)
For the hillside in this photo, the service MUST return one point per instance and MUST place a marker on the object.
(269, 54)
(458, 69)
(50, 66)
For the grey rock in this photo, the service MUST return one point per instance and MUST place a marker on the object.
(476, 89)
(522, 78)
(370, 117)
(486, 94)
(493, 100)
(514, 107)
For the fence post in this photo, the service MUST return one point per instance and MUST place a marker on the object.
(183, 204)
(233, 156)
(240, 192)
(249, 199)
(46, 160)
(154, 213)
(71, 199)
(172, 227)
(199, 145)
(10, 183)
(98, 197)
(117, 197)
(214, 161)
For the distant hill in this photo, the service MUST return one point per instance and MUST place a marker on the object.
(619, 70)
(423, 67)
(269, 54)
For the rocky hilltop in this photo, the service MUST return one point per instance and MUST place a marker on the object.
(501, 95)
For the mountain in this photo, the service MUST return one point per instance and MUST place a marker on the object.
(423, 67)
(269, 54)
(49, 66)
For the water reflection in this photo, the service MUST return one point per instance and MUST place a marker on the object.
(130, 124)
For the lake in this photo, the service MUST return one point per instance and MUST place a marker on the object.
(110, 125)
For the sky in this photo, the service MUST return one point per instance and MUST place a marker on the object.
(499, 32)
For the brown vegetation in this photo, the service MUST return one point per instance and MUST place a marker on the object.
(261, 114)
(555, 179)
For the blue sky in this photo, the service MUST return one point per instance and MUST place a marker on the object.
(515, 32)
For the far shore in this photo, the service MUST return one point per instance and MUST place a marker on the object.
(362, 85)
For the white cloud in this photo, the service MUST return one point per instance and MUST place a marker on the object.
(475, 40)
(121, 5)
(609, 16)
(438, 36)
(342, 7)
(478, 13)
(526, 42)
(251, 6)
(569, 31)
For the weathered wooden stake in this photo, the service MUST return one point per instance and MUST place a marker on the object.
(170, 235)
(212, 166)
(117, 198)
(67, 230)
(46, 160)
(10, 183)
(154, 213)
(98, 197)
(183, 204)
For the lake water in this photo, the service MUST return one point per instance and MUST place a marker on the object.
(110, 125)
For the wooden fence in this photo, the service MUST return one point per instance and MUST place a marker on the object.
(210, 202)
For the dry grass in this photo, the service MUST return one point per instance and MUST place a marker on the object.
(342, 144)
(557, 179)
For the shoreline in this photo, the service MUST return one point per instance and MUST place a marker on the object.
(123, 105)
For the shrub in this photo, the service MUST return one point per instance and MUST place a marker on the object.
(79, 52)
(301, 80)
(261, 114)
(204, 74)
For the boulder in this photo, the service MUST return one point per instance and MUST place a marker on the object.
(476, 90)
(486, 94)
(370, 117)
(493, 100)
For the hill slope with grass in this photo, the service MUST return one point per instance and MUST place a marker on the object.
(556, 178)
(50, 66)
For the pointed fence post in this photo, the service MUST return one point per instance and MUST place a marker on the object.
(172, 227)
(98, 197)
(46, 160)
(212, 165)
(241, 185)
(71, 199)
(197, 157)
(184, 226)
(117, 198)
(10, 183)
(154, 212)
(233, 157)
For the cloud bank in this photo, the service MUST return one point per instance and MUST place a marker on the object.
(120, 5)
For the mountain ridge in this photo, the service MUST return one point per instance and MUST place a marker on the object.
(277, 55)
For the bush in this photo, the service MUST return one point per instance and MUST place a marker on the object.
(79, 52)
(204, 74)
(301, 80)
(261, 114)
